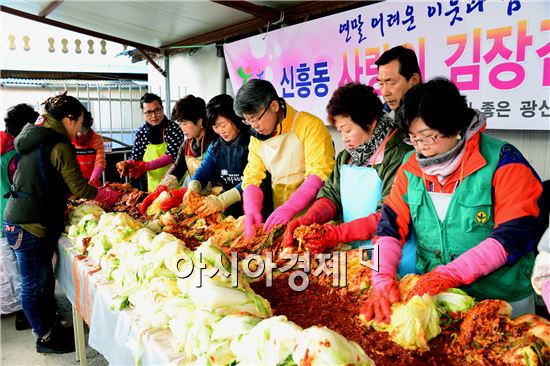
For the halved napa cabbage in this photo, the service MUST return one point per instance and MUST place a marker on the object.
(270, 342)
(322, 346)
(216, 295)
(454, 300)
(154, 209)
(224, 332)
(192, 331)
(415, 322)
(80, 211)
(150, 299)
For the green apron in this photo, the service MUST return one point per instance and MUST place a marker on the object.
(5, 184)
(468, 221)
(153, 152)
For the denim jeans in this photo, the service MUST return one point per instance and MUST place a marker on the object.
(34, 258)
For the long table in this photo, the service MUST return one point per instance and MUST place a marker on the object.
(113, 333)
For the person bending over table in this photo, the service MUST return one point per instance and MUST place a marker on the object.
(294, 147)
(363, 175)
(471, 201)
(35, 212)
(225, 160)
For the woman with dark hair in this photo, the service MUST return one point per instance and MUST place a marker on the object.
(363, 174)
(16, 117)
(225, 159)
(90, 152)
(471, 201)
(294, 147)
(35, 212)
(190, 113)
(156, 144)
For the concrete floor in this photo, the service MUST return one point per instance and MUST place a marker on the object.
(18, 347)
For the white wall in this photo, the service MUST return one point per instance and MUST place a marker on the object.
(197, 73)
(200, 74)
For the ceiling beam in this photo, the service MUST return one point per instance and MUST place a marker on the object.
(51, 7)
(219, 34)
(263, 12)
(293, 15)
(73, 28)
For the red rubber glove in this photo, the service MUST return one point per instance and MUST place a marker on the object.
(107, 195)
(330, 235)
(433, 283)
(139, 168)
(384, 290)
(323, 210)
(174, 201)
(253, 199)
(150, 198)
(479, 261)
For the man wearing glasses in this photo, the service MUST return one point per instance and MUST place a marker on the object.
(156, 143)
(294, 147)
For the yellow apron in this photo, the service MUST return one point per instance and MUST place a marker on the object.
(283, 156)
(153, 152)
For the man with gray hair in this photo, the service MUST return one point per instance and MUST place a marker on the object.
(294, 147)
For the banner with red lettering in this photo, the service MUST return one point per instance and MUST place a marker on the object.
(497, 52)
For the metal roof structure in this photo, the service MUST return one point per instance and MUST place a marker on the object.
(72, 82)
(166, 27)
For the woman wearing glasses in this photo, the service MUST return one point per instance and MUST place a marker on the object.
(362, 177)
(471, 201)
(294, 147)
(225, 160)
(156, 143)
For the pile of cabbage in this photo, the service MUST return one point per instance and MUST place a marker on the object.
(416, 321)
(203, 299)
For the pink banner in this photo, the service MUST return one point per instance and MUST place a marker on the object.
(497, 52)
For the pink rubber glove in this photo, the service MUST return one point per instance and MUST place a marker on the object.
(330, 235)
(253, 198)
(94, 182)
(384, 290)
(107, 195)
(323, 210)
(96, 173)
(141, 167)
(484, 258)
(159, 162)
(296, 203)
(546, 294)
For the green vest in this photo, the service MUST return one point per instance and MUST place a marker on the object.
(39, 190)
(5, 185)
(469, 220)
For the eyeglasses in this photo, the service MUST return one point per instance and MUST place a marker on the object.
(256, 120)
(154, 111)
(219, 126)
(427, 140)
